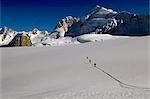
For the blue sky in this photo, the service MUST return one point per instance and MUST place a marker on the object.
(44, 14)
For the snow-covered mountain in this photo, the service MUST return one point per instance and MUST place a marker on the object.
(6, 35)
(98, 20)
(37, 36)
(72, 30)
(101, 20)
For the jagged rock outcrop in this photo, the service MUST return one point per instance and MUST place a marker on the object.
(20, 40)
(132, 24)
(62, 27)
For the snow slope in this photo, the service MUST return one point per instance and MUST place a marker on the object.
(64, 72)
(96, 37)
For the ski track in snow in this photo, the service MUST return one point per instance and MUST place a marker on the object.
(121, 84)
(120, 89)
(123, 91)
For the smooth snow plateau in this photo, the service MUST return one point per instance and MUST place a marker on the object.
(65, 73)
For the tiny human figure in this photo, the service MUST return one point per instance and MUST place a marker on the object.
(94, 64)
(89, 61)
(87, 57)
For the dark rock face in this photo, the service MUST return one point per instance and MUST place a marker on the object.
(20, 40)
(75, 29)
(133, 25)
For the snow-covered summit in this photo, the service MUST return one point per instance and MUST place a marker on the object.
(6, 35)
(99, 11)
(36, 35)
(98, 20)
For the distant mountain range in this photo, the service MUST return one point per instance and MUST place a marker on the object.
(69, 30)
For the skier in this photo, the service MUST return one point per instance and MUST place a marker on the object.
(89, 61)
(94, 64)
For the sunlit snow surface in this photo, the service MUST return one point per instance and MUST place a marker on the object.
(64, 72)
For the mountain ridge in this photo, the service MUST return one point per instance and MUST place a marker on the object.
(98, 20)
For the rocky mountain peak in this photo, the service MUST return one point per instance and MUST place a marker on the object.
(35, 31)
